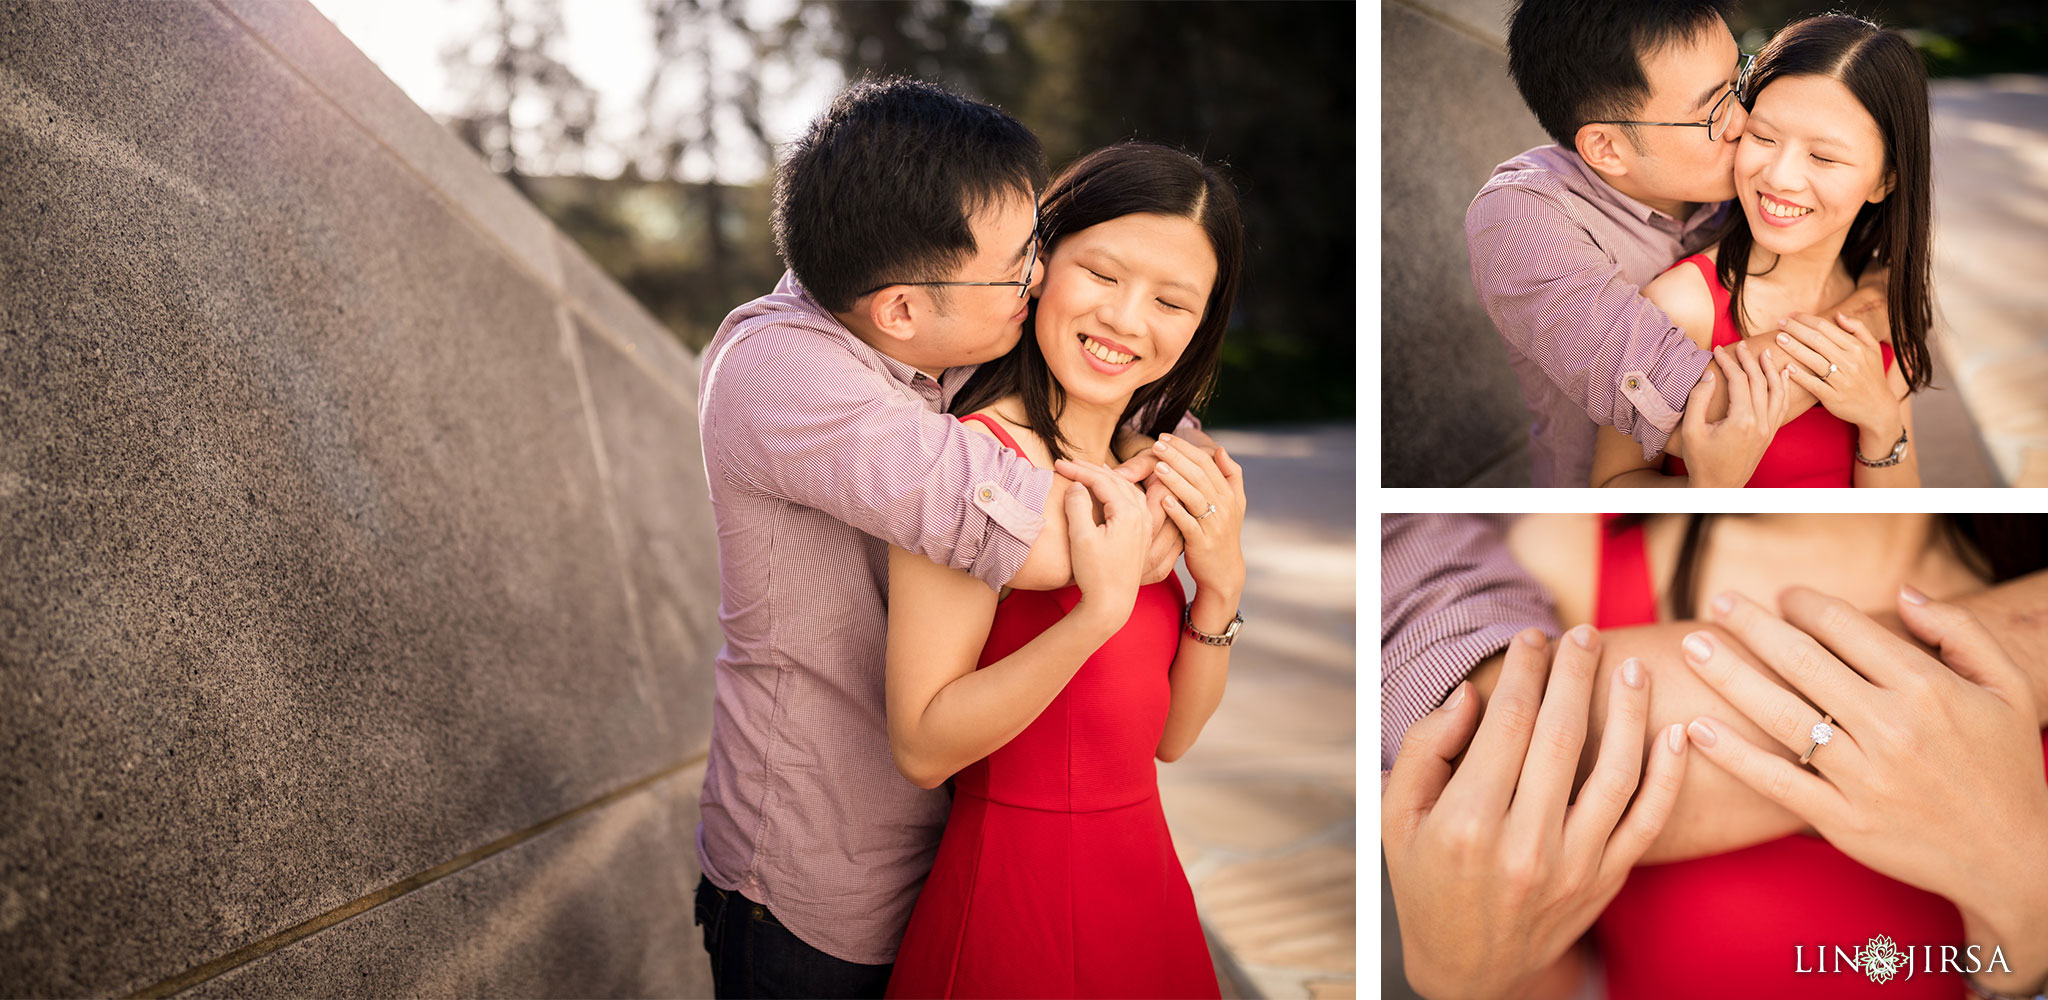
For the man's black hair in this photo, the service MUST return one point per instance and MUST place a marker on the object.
(1579, 61)
(880, 188)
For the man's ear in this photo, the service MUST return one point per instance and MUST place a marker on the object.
(1600, 147)
(891, 312)
(1884, 187)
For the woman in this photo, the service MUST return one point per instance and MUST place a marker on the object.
(1974, 760)
(1056, 875)
(1833, 179)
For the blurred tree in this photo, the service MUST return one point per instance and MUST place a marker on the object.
(524, 111)
(974, 48)
(1266, 91)
(1958, 37)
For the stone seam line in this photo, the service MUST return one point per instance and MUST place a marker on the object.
(552, 280)
(572, 347)
(307, 928)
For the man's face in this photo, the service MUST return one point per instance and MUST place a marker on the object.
(982, 322)
(1683, 164)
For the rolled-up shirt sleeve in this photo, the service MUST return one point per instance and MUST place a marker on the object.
(1562, 301)
(823, 429)
(1451, 595)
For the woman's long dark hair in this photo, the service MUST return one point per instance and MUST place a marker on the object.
(1997, 547)
(1126, 179)
(1883, 70)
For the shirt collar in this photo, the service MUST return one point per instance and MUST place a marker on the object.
(1699, 217)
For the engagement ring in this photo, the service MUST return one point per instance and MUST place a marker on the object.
(1822, 735)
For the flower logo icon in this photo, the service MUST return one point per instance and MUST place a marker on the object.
(1881, 959)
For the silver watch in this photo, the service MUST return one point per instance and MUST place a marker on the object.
(1187, 621)
(1898, 453)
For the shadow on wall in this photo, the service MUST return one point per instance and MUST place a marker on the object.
(1451, 413)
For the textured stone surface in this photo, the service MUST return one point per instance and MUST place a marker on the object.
(305, 44)
(662, 514)
(1452, 412)
(598, 907)
(330, 548)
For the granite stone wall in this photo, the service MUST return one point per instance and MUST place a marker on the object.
(1451, 414)
(357, 575)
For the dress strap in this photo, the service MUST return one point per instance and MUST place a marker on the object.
(1623, 592)
(1001, 434)
(1725, 332)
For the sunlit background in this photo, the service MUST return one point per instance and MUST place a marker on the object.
(647, 131)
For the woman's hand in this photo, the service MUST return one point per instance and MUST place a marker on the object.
(1933, 771)
(1495, 871)
(1856, 389)
(1726, 452)
(1205, 499)
(1109, 556)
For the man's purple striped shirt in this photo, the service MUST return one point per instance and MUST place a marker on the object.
(1559, 259)
(1451, 595)
(821, 452)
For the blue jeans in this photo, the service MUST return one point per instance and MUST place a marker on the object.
(753, 955)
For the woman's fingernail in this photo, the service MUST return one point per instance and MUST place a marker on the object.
(1676, 738)
(1535, 637)
(1632, 672)
(1163, 438)
(1697, 647)
(1785, 339)
(1458, 696)
(1583, 635)
(1724, 604)
(1708, 377)
(1702, 733)
(1912, 596)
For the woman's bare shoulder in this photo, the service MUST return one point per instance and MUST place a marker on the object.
(1683, 294)
(1009, 413)
(1559, 551)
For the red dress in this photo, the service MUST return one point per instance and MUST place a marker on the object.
(1056, 876)
(1734, 924)
(1816, 449)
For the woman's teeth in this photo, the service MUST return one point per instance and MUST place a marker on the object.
(1113, 357)
(1783, 211)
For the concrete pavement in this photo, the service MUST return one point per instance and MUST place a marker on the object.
(1990, 251)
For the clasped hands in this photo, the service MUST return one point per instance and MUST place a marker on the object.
(1934, 777)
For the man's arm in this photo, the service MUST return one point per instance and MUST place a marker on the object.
(1557, 298)
(1451, 595)
(799, 418)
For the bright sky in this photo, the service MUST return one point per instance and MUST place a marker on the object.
(606, 42)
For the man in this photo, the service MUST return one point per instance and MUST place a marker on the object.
(907, 216)
(1645, 103)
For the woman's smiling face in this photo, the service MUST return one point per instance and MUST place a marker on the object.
(1120, 303)
(1810, 158)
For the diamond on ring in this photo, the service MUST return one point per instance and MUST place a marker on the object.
(1206, 513)
(1822, 734)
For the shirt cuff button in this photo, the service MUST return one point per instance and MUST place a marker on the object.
(1633, 383)
(987, 494)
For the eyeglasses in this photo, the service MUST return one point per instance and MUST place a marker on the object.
(1023, 286)
(1717, 116)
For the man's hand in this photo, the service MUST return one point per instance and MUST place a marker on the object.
(1495, 871)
